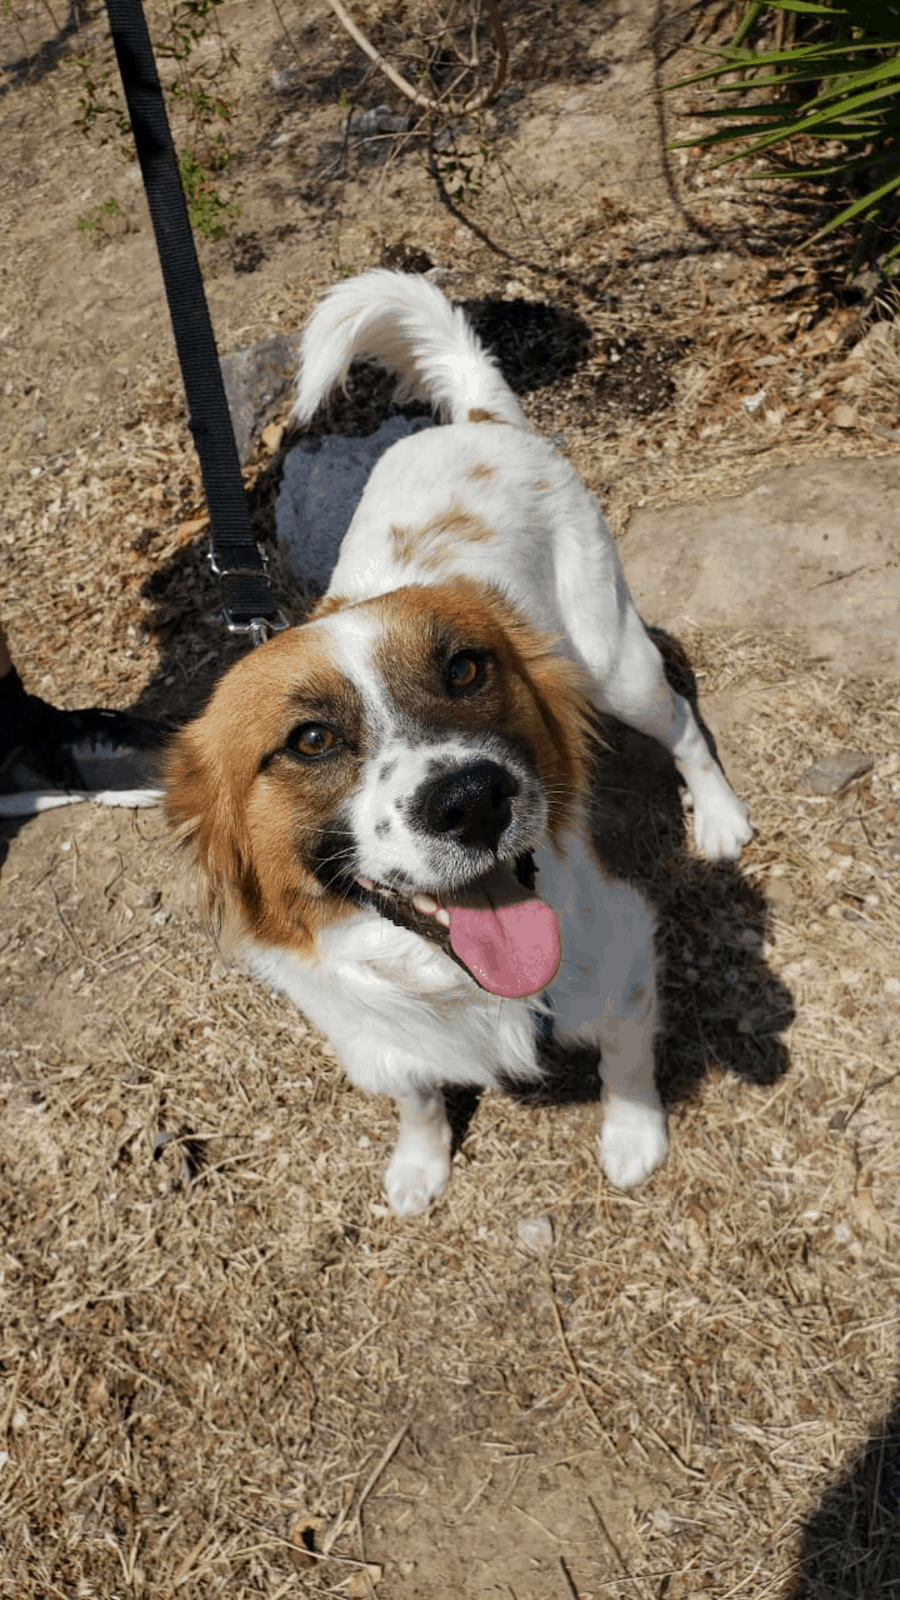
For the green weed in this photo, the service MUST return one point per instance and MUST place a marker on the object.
(196, 108)
(88, 224)
(206, 208)
(833, 73)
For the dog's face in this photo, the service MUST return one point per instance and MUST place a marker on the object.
(411, 748)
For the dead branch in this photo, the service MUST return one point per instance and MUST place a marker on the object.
(475, 101)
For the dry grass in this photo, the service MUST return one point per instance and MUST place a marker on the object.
(213, 1330)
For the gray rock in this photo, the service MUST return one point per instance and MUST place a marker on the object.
(257, 381)
(321, 487)
(812, 551)
(832, 774)
(379, 120)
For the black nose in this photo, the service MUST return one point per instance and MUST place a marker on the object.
(472, 803)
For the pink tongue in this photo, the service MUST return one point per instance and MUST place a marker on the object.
(512, 950)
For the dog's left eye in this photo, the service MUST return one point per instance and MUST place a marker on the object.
(312, 739)
(465, 672)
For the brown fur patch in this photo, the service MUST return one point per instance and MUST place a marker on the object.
(532, 694)
(431, 545)
(543, 483)
(477, 414)
(254, 817)
(404, 543)
(326, 605)
(481, 470)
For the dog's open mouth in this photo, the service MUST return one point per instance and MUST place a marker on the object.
(504, 935)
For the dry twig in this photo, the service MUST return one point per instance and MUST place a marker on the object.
(475, 102)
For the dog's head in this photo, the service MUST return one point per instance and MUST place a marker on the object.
(407, 752)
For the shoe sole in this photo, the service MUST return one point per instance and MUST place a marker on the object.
(29, 804)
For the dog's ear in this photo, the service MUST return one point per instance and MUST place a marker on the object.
(563, 723)
(562, 692)
(208, 821)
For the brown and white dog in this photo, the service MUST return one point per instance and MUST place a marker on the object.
(389, 802)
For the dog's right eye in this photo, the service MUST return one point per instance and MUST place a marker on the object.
(312, 739)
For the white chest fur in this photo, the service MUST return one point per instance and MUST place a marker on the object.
(401, 1014)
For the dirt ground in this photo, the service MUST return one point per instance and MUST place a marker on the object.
(225, 1368)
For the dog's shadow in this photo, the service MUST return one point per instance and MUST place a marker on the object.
(721, 1006)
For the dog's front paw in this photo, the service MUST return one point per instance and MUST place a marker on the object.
(721, 826)
(417, 1174)
(632, 1141)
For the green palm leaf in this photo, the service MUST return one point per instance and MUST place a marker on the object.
(844, 64)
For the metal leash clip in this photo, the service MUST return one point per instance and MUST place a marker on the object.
(254, 613)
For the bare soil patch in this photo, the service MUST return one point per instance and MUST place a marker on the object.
(224, 1367)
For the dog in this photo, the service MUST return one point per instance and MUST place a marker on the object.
(389, 803)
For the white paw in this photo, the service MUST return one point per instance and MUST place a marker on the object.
(632, 1141)
(721, 826)
(415, 1177)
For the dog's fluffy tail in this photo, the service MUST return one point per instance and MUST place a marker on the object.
(404, 322)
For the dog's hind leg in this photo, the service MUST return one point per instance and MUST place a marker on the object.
(634, 688)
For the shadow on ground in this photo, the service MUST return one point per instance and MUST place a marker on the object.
(722, 1007)
(851, 1542)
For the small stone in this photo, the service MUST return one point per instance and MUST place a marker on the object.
(257, 380)
(832, 774)
(381, 119)
(536, 1234)
(778, 891)
(844, 416)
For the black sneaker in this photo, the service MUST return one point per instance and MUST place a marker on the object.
(69, 756)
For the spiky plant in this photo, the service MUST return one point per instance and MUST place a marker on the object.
(834, 76)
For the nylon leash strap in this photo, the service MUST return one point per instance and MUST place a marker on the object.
(233, 553)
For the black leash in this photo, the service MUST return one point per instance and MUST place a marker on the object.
(233, 553)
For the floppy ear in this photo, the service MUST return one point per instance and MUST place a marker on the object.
(562, 692)
(565, 722)
(203, 810)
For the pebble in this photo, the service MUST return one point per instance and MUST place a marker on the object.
(832, 774)
(536, 1234)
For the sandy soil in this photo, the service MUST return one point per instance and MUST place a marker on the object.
(224, 1368)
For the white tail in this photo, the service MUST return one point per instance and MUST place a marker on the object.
(405, 323)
